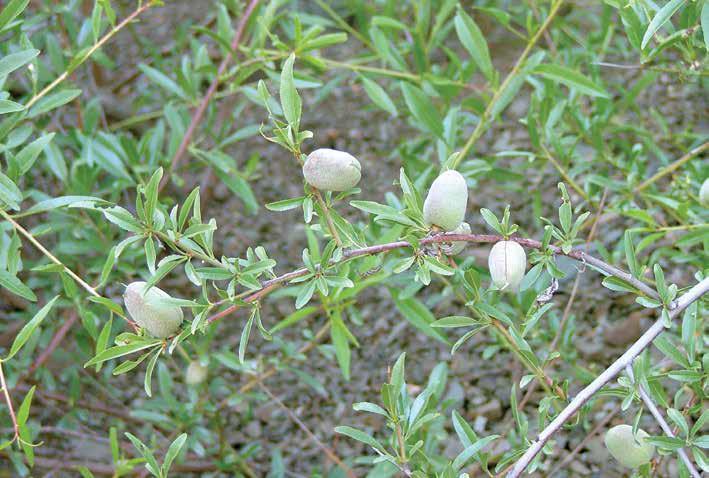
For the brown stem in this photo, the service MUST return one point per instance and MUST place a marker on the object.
(53, 344)
(8, 401)
(199, 112)
(579, 255)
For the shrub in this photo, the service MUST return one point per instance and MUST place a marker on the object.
(164, 146)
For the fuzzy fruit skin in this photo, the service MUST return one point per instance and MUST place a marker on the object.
(458, 246)
(332, 170)
(507, 263)
(196, 373)
(704, 193)
(160, 320)
(446, 201)
(622, 446)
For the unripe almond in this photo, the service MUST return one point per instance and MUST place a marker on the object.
(458, 246)
(704, 193)
(332, 170)
(630, 451)
(196, 373)
(446, 201)
(147, 310)
(507, 262)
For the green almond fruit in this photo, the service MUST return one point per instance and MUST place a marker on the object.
(196, 373)
(630, 451)
(704, 193)
(446, 201)
(332, 170)
(149, 311)
(458, 246)
(507, 262)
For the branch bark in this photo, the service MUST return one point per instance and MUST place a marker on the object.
(608, 374)
(199, 112)
(655, 412)
(577, 254)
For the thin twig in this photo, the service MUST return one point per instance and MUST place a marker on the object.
(606, 376)
(564, 174)
(483, 122)
(199, 112)
(577, 254)
(88, 53)
(600, 426)
(53, 344)
(538, 372)
(328, 217)
(344, 25)
(672, 167)
(660, 420)
(30, 237)
(48, 254)
(8, 401)
(328, 452)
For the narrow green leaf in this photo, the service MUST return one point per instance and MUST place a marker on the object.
(162, 80)
(369, 407)
(29, 328)
(572, 79)
(473, 40)
(28, 155)
(359, 436)
(7, 106)
(16, 286)
(102, 341)
(121, 350)
(285, 204)
(62, 201)
(340, 339)
(53, 101)
(148, 381)
(662, 16)
(420, 317)
(172, 453)
(491, 220)
(11, 11)
(23, 413)
(245, 334)
(10, 194)
(13, 61)
(290, 99)
(422, 109)
(456, 321)
(378, 96)
(472, 450)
